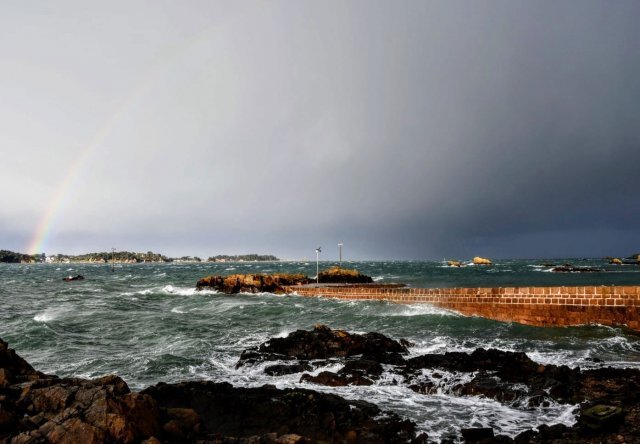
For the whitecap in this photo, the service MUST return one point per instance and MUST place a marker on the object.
(283, 333)
(177, 310)
(419, 309)
(185, 291)
(48, 315)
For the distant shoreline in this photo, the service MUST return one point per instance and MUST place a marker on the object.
(127, 257)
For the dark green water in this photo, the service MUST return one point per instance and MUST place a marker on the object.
(147, 324)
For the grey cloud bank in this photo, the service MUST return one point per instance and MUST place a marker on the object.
(405, 130)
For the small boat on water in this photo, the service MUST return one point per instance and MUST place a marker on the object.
(77, 277)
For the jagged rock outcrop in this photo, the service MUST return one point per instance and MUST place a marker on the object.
(323, 343)
(507, 377)
(35, 407)
(337, 275)
(251, 283)
(38, 408)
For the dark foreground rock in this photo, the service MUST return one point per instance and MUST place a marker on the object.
(39, 408)
(251, 283)
(608, 398)
(323, 343)
(244, 412)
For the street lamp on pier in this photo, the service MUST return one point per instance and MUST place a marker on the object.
(318, 251)
(340, 253)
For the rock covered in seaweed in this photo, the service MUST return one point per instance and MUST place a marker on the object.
(338, 275)
(251, 283)
(276, 283)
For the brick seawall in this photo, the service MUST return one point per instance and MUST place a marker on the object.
(541, 306)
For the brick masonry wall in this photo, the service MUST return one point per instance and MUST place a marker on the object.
(541, 306)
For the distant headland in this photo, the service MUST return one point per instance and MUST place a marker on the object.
(125, 257)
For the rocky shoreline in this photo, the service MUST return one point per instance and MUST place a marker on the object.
(38, 408)
(276, 283)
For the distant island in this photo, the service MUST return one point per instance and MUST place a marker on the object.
(125, 257)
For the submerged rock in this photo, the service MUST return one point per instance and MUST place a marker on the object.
(251, 283)
(567, 268)
(355, 372)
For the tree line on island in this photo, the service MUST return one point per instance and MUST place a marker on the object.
(7, 256)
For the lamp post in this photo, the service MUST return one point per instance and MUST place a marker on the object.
(318, 251)
(340, 254)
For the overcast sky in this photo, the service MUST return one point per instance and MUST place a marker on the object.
(407, 130)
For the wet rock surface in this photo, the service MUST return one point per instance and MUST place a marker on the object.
(251, 283)
(568, 268)
(244, 412)
(507, 377)
(338, 275)
(276, 283)
(323, 343)
(39, 408)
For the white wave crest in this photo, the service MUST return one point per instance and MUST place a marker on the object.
(185, 291)
(417, 310)
(48, 315)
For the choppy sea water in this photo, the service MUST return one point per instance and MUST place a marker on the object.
(146, 323)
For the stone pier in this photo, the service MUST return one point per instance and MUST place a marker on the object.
(540, 306)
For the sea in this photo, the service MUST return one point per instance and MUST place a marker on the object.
(147, 323)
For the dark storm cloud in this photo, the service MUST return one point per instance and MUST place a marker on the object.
(404, 130)
(539, 135)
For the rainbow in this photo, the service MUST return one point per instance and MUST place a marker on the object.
(64, 190)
